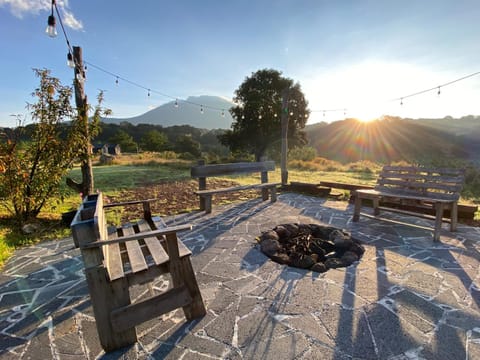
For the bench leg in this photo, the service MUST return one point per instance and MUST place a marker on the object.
(273, 194)
(453, 217)
(376, 210)
(264, 194)
(356, 210)
(105, 297)
(182, 274)
(438, 221)
(207, 203)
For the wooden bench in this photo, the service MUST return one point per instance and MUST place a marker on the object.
(117, 258)
(439, 188)
(202, 172)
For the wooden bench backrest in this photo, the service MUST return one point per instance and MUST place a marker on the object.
(203, 171)
(89, 225)
(442, 183)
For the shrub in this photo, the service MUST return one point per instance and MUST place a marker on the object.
(305, 153)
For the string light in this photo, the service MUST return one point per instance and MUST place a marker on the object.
(51, 29)
(70, 61)
(52, 32)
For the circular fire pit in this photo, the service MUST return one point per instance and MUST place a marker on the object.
(310, 246)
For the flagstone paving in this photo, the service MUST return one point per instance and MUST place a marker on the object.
(408, 298)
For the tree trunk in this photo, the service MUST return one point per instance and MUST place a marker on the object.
(87, 185)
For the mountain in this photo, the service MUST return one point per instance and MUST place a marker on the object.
(186, 113)
(386, 140)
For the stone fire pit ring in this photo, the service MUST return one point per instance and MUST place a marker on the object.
(310, 246)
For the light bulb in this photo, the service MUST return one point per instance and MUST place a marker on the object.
(275, 115)
(80, 78)
(70, 61)
(291, 113)
(260, 117)
(51, 30)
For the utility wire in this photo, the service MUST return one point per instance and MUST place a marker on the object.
(150, 90)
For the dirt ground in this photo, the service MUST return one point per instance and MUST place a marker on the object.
(176, 197)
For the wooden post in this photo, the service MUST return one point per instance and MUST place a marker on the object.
(202, 185)
(87, 186)
(284, 119)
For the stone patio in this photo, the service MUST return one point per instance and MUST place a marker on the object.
(408, 298)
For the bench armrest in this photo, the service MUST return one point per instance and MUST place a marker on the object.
(126, 203)
(140, 235)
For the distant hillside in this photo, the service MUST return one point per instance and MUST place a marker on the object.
(186, 114)
(386, 140)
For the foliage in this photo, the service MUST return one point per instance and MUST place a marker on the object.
(189, 148)
(154, 141)
(305, 153)
(257, 115)
(126, 142)
(31, 173)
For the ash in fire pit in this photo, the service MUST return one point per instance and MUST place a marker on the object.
(310, 246)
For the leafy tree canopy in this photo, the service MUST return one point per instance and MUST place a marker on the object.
(257, 115)
(30, 173)
(154, 140)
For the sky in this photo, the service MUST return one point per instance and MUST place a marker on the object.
(357, 55)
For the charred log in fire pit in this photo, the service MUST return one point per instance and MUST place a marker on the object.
(310, 246)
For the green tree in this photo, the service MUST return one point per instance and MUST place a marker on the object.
(30, 173)
(154, 140)
(257, 115)
(185, 144)
(125, 141)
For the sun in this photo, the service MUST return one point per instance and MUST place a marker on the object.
(366, 119)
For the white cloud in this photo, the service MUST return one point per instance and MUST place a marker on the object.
(20, 8)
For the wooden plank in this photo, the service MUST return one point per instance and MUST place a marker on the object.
(451, 171)
(236, 188)
(406, 194)
(114, 259)
(154, 246)
(231, 168)
(420, 185)
(411, 213)
(126, 203)
(337, 185)
(131, 315)
(135, 254)
(182, 249)
(133, 237)
(403, 195)
(424, 178)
